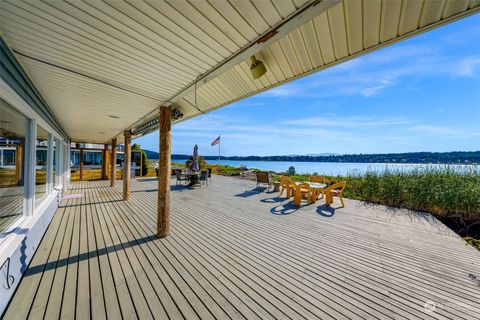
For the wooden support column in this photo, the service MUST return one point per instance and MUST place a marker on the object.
(104, 162)
(81, 164)
(19, 164)
(113, 162)
(127, 164)
(164, 170)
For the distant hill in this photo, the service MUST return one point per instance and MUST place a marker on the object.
(457, 157)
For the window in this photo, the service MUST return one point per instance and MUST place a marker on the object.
(41, 164)
(75, 159)
(55, 162)
(13, 126)
(57, 168)
(66, 163)
(93, 159)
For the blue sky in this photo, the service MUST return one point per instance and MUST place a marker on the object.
(422, 94)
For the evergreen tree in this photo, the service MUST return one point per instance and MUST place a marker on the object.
(136, 146)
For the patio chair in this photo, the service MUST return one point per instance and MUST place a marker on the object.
(180, 177)
(319, 179)
(264, 178)
(303, 191)
(335, 189)
(287, 184)
(203, 177)
(210, 174)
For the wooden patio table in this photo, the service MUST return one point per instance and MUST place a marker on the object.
(317, 188)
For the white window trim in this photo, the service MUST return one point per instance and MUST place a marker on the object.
(29, 168)
(49, 179)
(19, 242)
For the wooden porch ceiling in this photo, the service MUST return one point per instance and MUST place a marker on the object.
(92, 60)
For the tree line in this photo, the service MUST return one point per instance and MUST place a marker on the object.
(457, 157)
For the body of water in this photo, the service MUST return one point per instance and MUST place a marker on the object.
(325, 168)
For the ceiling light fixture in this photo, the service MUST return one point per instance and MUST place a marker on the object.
(176, 114)
(257, 67)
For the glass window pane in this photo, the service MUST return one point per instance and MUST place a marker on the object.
(55, 162)
(92, 165)
(75, 165)
(12, 156)
(66, 160)
(41, 165)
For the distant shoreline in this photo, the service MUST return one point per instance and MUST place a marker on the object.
(346, 162)
(456, 157)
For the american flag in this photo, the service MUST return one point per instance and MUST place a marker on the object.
(216, 141)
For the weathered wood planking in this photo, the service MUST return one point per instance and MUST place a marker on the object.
(230, 254)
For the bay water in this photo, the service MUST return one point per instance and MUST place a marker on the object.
(330, 168)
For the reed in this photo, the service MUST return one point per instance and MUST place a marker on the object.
(443, 191)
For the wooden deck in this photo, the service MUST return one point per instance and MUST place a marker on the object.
(238, 253)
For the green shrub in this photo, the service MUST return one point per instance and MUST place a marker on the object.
(201, 162)
(136, 146)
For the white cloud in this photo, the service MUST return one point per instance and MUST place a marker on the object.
(349, 122)
(468, 66)
(453, 132)
(372, 91)
(372, 74)
(286, 90)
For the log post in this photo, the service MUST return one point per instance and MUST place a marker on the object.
(19, 165)
(127, 162)
(113, 162)
(164, 168)
(104, 162)
(81, 164)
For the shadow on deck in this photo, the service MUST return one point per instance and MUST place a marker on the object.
(236, 251)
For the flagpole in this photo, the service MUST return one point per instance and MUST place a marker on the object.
(218, 161)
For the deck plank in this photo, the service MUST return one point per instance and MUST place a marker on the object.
(238, 253)
(56, 292)
(42, 295)
(19, 307)
(98, 308)
(140, 266)
(109, 288)
(83, 301)
(70, 289)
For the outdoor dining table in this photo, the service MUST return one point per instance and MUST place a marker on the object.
(194, 177)
(317, 188)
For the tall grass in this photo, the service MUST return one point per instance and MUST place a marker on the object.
(440, 190)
